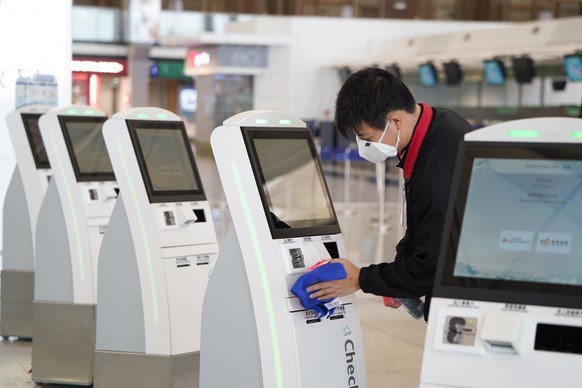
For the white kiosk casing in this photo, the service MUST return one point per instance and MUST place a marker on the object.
(255, 332)
(23, 198)
(156, 257)
(71, 223)
(507, 304)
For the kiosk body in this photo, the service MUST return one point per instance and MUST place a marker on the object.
(23, 198)
(71, 222)
(156, 256)
(283, 222)
(507, 305)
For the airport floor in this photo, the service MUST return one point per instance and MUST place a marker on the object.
(393, 341)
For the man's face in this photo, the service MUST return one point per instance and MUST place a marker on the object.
(370, 134)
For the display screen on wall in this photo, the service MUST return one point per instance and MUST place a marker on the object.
(427, 74)
(573, 67)
(523, 69)
(494, 71)
(453, 72)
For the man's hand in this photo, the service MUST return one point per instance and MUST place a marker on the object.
(337, 288)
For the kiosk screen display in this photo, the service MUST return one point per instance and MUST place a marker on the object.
(84, 138)
(166, 161)
(291, 182)
(516, 224)
(30, 121)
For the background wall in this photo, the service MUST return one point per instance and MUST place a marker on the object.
(301, 78)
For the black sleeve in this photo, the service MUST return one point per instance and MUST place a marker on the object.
(413, 275)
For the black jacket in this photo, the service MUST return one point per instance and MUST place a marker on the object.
(412, 273)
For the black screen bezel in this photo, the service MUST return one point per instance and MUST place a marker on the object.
(162, 196)
(40, 164)
(280, 230)
(496, 290)
(84, 177)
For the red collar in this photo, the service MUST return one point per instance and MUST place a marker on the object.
(417, 137)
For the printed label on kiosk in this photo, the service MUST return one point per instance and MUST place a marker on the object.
(508, 288)
(21, 206)
(156, 258)
(72, 220)
(283, 224)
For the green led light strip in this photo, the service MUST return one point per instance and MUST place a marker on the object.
(262, 121)
(523, 133)
(143, 235)
(263, 275)
(71, 206)
(577, 134)
(284, 121)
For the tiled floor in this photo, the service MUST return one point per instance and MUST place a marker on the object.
(393, 341)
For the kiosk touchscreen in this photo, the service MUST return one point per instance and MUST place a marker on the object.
(156, 257)
(23, 198)
(507, 305)
(283, 222)
(71, 222)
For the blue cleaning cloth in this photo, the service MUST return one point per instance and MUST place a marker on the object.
(323, 273)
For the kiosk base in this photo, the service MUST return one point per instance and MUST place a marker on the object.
(16, 296)
(64, 342)
(136, 370)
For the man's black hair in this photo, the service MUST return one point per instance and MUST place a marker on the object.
(367, 96)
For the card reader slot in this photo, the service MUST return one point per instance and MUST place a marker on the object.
(331, 247)
(558, 338)
(200, 216)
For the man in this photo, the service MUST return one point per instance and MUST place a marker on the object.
(380, 110)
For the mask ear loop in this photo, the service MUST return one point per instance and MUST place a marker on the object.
(383, 133)
(397, 139)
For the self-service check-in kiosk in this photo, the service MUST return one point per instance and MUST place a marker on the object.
(156, 257)
(23, 198)
(72, 220)
(507, 305)
(255, 332)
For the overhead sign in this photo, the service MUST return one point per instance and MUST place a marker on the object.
(227, 59)
(100, 66)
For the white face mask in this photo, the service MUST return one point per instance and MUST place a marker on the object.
(377, 152)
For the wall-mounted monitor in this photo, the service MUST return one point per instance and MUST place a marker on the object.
(344, 72)
(290, 181)
(524, 69)
(494, 71)
(84, 138)
(394, 69)
(453, 72)
(427, 74)
(514, 227)
(30, 121)
(166, 161)
(573, 66)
